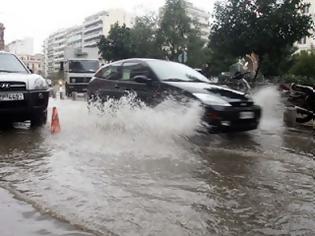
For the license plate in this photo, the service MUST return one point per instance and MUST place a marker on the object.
(11, 96)
(246, 115)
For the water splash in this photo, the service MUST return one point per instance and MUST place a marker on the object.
(128, 125)
(269, 99)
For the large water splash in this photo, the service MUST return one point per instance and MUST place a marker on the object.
(269, 99)
(127, 125)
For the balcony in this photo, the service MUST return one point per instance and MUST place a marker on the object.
(92, 37)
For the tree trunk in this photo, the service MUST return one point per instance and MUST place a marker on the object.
(259, 61)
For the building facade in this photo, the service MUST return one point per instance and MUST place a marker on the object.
(99, 24)
(21, 46)
(307, 43)
(83, 36)
(34, 62)
(201, 17)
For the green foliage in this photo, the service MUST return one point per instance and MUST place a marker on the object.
(278, 63)
(117, 45)
(219, 62)
(304, 64)
(144, 38)
(174, 28)
(267, 28)
(162, 37)
(290, 78)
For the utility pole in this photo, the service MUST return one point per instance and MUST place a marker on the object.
(2, 36)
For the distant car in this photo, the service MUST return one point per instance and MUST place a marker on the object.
(23, 95)
(225, 109)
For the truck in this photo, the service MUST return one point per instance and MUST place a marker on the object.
(79, 66)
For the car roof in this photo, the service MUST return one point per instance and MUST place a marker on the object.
(134, 59)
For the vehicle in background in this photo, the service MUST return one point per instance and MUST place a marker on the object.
(79, 67)
(153, 80)
(302, 98)
(23, 95)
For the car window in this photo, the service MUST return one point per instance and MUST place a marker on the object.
(132, 69)
(10, 64)
(111, 72)
(172, 71)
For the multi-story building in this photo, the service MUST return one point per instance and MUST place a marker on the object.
(93, 29)
(86, 35)
(21, 46)
(55, 44)
(307, 43)
(99, 24)
(33, 62)
(201, 17)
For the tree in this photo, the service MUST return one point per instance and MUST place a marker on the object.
(263, 27)
(117, 45)
(144, 37)
(174, 29)
(304, 64)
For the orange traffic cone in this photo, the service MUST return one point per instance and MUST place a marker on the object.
(55, 125)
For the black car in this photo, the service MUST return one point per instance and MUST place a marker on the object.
(225, 109)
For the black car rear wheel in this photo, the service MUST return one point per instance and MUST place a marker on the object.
(39, 119)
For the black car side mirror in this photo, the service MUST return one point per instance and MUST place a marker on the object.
(142, 79)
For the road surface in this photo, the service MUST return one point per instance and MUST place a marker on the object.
(143, 171)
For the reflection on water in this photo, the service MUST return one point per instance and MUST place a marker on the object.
(149, 176)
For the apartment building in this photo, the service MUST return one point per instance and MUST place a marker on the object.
(99, 24)
(86, 35)
(202, 18)
(34, 62)
(308, 43)
(21, 46)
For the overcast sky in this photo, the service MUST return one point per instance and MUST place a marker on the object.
(39, 18)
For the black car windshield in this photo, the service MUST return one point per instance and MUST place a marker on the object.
(10, 64)
(83, 66)
(175, 72)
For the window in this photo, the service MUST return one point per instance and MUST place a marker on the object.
(172, 71)
(133, 69)
(302, 40)
(9, 63)
(111, 72)
(306, 10)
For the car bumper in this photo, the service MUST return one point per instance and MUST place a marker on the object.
(228, 119)
(79, 88)
(34, 102)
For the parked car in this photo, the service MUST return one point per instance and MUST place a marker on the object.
(150, 79)
(23, 95)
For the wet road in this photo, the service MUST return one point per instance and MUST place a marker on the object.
(145, 172)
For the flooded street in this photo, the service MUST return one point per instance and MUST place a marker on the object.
(144, 171)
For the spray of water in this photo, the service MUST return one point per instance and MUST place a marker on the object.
(269, 99)
(127, 125)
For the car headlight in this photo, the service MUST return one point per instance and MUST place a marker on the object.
(213, 100)
(40, 84)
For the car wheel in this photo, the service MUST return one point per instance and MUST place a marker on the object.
(39, 119)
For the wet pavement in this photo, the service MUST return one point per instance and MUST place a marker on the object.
(143, 171)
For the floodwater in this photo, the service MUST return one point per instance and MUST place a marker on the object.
(134, 170)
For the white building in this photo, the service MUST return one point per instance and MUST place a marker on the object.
(99, 24)
(21, 46)
(86, 35)
(202, 18)
(307, 43)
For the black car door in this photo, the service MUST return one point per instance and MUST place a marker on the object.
(127, 83)
(105, 84)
